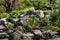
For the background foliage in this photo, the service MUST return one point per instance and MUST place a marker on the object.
(14, 8)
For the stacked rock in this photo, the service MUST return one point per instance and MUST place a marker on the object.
(3, 33)
(28, 36)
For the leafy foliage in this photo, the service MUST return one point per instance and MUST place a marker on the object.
(2, 9)
(55, 16)
(4, 15)
(15, 14)
(33, 21)
(16, 7)
(10, 26)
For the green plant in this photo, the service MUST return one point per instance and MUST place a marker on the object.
(21, 11)
(25, 28)
(50, 28)
(15, 14)
(28, 3)
(55, 36)
(2, 9)
(10, 26)
(47, 21)
(32, 20)
(4, 15)
(55, 16)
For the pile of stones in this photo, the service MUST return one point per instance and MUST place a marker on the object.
(3, 33)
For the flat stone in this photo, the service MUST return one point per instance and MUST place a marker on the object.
(3, 33)
(15, 19)
(31, 35)
(38, 32)
(4, 39)
(2, 27)
(53, 33)
(27, 36)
